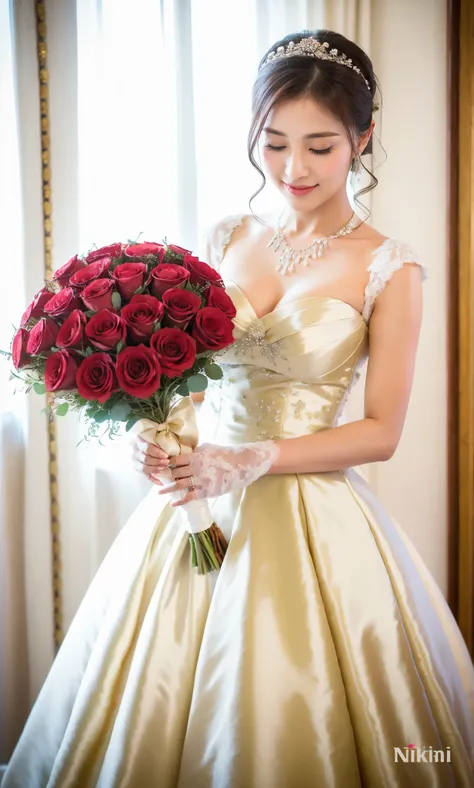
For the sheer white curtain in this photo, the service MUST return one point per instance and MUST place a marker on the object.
(150, 107)
(12, 302)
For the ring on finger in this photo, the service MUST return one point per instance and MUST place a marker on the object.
(191, 485)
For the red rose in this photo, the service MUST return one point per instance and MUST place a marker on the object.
(177, 249)
(36, 308)
(141, 314)
(62, 303)
(175, 349)
(19, 354)
(60, 372)
(129, 278)
(138, 371)
(212, 329)
(113, 250)
(106, 329)
(90, 272)
(181, 306)
(217, 297)
(96, 378)
(63, 274)
(71, 333)
(142, 250)
(201, 273)
(98, 294)
(165, 276)
(42, 336)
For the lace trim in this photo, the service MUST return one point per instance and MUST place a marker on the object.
(220, 236)
(388, 258)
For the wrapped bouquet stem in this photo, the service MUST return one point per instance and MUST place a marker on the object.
(178, 434)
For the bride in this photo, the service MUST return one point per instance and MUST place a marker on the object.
(322, 653)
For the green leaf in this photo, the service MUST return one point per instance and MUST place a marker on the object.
(116, 300)
(182, 389)
(89, 352)
(39, 388)
(157, 325)
(120, 411)
(197, 383)
(214, 371)
(131, 422)
(101, 416)
(62, 409)
(120, 346)
(139, 290)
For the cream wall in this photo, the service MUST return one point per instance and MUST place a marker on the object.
(410, 203)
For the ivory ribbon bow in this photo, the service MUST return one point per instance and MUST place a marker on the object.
(178, 434)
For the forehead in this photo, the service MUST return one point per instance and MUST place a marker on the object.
(302, 116)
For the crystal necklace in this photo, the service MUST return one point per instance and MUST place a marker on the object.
(290, 258)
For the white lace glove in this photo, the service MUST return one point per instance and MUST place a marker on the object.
(211, 470)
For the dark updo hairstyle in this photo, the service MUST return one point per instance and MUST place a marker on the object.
(336, 87)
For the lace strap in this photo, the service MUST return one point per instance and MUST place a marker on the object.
(218, 238)
(387, 258)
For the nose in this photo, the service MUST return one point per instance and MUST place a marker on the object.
(296, 166)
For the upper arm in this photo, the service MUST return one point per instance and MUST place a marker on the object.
(393, 339)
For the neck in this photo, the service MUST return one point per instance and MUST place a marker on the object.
(324, 220)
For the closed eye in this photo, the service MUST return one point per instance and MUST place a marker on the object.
(322, 152)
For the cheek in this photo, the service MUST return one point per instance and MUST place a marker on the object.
(270, 161)
(335, 165)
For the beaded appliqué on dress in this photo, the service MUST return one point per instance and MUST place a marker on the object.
(388, 258)
(255, 339)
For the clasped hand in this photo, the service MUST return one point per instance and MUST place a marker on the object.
(207, 472)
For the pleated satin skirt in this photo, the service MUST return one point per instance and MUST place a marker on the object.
(322, 654)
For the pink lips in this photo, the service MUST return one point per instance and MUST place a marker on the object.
(299, 190)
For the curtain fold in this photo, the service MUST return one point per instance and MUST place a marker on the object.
(26, 638)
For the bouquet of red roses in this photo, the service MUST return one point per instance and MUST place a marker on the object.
(124, 335)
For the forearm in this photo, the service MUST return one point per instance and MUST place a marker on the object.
(356, 443)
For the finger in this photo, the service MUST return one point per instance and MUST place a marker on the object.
(180, 484)
(190, 496)
(143, 469)
(179, 460)
(152, 462)
(181, 473)
(150, 448)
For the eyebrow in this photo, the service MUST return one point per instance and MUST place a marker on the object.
(315, 134)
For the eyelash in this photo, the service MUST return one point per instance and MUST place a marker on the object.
(322, 152)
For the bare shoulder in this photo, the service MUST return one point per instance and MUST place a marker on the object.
(367, 240)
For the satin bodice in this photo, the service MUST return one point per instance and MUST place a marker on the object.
(289, 372)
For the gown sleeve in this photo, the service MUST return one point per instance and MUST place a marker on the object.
(215, 241)
(387, 258)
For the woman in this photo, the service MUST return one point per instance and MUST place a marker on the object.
(322, 653)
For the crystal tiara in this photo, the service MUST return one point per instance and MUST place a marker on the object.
(310, 47)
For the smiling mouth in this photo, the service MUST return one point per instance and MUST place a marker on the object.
(292, 188)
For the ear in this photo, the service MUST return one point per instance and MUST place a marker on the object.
(364, 140)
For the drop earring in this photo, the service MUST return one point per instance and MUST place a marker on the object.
(356, 165)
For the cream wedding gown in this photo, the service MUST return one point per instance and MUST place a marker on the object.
(321, 646)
